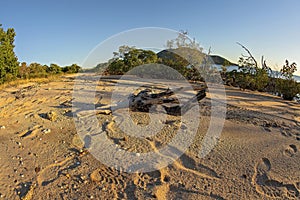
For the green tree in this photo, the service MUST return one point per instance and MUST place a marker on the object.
(288, 70)
(37, 70)
(288, 87)
(24, 71)
(9, 64)
(186, 56)
(74, 68)
(129, 57)
(252, 76)
(54, 69)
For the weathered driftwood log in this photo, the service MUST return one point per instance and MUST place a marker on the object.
(145, 99)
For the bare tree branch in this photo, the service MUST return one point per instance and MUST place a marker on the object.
(250, 55)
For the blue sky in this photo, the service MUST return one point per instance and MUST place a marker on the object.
(64, 32)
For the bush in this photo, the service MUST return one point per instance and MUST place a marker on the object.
(288, 88)
(54, 69)
(261, 80)
(74, 68)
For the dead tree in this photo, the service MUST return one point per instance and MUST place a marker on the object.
(250, 56)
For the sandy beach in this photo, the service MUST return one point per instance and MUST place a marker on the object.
(256, 157)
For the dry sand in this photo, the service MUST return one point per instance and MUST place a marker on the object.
(42, 157)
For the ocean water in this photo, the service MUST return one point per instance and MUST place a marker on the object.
(233, 67)
(297, 78)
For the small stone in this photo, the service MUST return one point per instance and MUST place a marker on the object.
(2, 127)
(138, 154)
(37, 169)
(183, 127)
(47, 130)
(52, 116)
(267, 129)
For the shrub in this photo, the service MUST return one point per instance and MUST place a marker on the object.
(288, 88)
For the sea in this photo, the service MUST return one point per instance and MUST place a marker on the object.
(234, 67)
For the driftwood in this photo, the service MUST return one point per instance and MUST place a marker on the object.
(145, 99)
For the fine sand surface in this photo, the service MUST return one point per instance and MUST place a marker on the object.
(42, 157)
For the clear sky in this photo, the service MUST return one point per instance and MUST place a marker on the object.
(64, 32)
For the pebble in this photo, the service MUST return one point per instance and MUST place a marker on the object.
(138, 154)
(47, 130)
(2, 127)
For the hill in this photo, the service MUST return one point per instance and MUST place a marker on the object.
(219, 60)
(171, 54)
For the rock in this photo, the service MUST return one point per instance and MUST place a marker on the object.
(37, 169)
(77, 142)
(267, 129)
(104, 112)
(47, 130)
(52, 116)
(95, 176)
(2, 127)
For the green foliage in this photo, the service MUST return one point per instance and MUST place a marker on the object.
(261, 80)
(74, 68)
(54, 69)
(128, 57)
(37, 70)
(172, 58)
(244, 80)
(288, 70)
(24, 71)
(288, 88)
(8, 61)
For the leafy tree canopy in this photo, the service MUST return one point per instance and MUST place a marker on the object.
(9, 64)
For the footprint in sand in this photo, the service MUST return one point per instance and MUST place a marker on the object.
(111, 178)
(31, 132)
(290, 151)
(271, 187)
